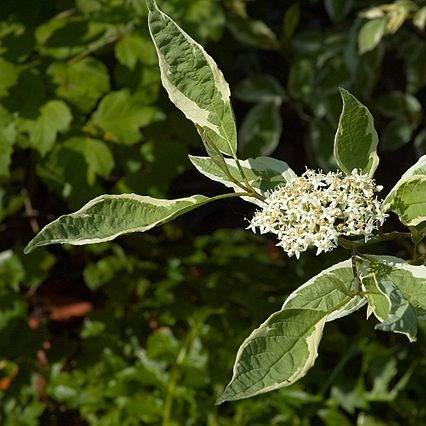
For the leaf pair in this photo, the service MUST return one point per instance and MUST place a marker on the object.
(408, 197)
(395, 292)
(285, 346)
(196, 85)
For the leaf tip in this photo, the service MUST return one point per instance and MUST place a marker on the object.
(151, 5)
(344, 93)
(223, 398)
(29, 247)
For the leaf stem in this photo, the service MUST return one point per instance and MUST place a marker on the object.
(247, 193)
(247, 186)
(355, 271)
(230, 195)
(390, 236)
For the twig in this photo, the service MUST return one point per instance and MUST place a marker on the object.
(30, 212)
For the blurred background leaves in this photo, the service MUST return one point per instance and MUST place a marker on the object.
(145, 330)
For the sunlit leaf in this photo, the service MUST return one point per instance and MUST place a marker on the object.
(55, 117)
(263, 173)
(371, 34)
(285, 346)
(356, 138)
(110, 216)
(120, 116)
(199, 91)
(390, 306)
(8, 76)
(81, 83)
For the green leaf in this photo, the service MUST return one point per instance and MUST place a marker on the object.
(261, 130)
(8, 76)
(55, 117)
(409, 201)
(81, 83)
(320, 150)
(409, 279)
(72, 167)
(98, 156)
(260, 88)
(263, 173)
(301, 79)
(356, 139)
(419, 19)
(397, 134)
(371, 34)
(418, 169)
(109, 216)
(134, 47)
(333, 417)
(193, 81)
(337, 9)
(418, 233)
(420, 143)
(326, 290)
(11, 271)
(390, 306)
(285, 346)
(120, 115)
(399, 105)
(290, 22)
(276, 354)
(7, 140)
(64, 37)
(252, 32)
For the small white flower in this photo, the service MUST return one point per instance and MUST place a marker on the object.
(314, 209)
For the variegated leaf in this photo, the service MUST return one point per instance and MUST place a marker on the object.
(263, 173)
(390, 307)
(356, 139)
(416, 170)
(193, 81)
(109, 216)
(409, 201)
(285, 346)
(409, 279)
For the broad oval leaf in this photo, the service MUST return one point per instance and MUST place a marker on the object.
(276, 354)
(338, 9)
(8, 76)
(285, 346)
(356, 139)
(260, 88)
(109, 216)
(55, 117)
(261, 130)
(389, 306)
(263, 173)
(120, 115)
(81, 83)
(252, 32)
(409, 201)
(371, 34)
(409, 279)
(193, 81)
(325, 290)
(8, 136)
(418, 169)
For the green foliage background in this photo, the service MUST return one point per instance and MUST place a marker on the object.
(144, 330)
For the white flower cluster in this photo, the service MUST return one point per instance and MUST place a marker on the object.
(314, 209)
